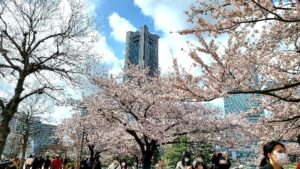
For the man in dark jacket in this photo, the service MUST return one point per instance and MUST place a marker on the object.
(47, 162)
(84, 164)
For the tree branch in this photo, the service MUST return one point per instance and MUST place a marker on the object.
(268, 92)
(37, 91)
(275, 14)
(206, 130)
(285, 120)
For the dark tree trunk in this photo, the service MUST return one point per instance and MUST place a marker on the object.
(4, 131)
(9, 111)
(147, 161)
(148, 155)
(91, 149)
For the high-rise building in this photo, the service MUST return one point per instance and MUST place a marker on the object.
(142, 50)
(41, 135)
(242, 103)
(45, 137)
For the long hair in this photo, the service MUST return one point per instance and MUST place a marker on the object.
(186, 155)
(268, 148)
(123, 161)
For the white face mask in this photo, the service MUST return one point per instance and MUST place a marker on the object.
(123, 164)
(282, 159)
(186, 160)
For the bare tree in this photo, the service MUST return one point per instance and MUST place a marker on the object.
(27, 117)
(42, 42)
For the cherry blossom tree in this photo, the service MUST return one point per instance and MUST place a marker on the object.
(43, 44)
(248, 47)
(148, 111)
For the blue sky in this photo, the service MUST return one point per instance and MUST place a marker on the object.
(125, 9)
(116, 17)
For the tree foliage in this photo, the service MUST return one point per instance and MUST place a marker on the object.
(43, 45)
(253, 47)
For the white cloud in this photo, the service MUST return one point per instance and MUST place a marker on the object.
(167, 10)
(120, 26)
(170, 17)
(107, 55)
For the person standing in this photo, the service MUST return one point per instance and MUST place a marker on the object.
(41, 162)
(123, 164)
(215, 161)
(47, 162)
(35, 163)
(275, 154)
(56, 163)
(224, 162)
(115, 164)
(84, 163)
(66, 164)
(185, 161)
(298, 165)
(200, 161)
(28, 162)
(160, 164)
(14, 164)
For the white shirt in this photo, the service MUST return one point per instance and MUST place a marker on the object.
(180, 166)
(113, 166)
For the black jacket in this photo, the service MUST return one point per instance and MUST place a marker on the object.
(268, 166)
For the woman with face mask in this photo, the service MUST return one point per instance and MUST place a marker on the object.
(123, 164)
(275, 155)
(200, 162)
(185, 161)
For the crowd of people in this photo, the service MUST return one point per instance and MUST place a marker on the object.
(275, 157)
(116, 164)
(39, 162)
(218, 161)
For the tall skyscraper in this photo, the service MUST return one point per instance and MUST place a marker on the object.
(142, 50)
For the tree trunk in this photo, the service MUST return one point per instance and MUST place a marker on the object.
(24, 147)
(4, 131)
(91, 149)
(147, 161)
(148, 155)
(8, 112)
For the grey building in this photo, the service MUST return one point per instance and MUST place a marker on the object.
(45, 137)
(41, 136)
(241, 103)
(142, 50)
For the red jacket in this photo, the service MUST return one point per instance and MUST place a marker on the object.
(298, 165)
(56, 163)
